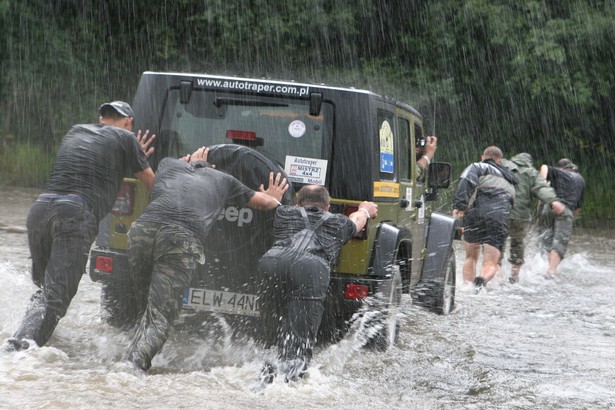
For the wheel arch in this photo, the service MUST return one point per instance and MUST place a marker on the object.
(391, 243)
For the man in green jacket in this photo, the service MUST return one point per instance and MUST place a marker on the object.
(531, 185)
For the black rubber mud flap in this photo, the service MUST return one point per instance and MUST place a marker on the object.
(241, 236)
(386, 307)
(436, 289)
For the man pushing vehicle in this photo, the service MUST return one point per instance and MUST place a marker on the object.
(165, 242)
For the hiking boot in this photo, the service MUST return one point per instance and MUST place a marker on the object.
(513, 279)
(479, 283)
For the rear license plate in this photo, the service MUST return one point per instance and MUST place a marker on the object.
(207, 300)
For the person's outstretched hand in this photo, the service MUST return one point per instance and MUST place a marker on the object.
(276, 188)
(145, 141)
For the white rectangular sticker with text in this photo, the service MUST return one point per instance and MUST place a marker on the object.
(305, 170)
(409, 199)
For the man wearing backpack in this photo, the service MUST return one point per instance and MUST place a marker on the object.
(295, 272)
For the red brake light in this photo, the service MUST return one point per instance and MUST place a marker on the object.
(124, 203)
(241, 135)
(362, 234)
(356, 291)
(104, 264)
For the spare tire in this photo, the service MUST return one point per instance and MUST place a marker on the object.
(240, 236)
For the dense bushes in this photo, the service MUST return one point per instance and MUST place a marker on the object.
(534, 76)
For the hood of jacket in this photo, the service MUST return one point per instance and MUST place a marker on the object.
(523, 160)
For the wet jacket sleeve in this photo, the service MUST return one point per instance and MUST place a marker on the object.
(467, 185)
(542, 190)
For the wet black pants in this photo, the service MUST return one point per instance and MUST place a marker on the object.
(293, 294)
(61, 230)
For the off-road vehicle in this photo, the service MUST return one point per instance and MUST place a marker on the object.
(360, 145)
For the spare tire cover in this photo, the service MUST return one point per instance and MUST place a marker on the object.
(240, 236)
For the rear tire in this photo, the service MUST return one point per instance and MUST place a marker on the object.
(118, 305)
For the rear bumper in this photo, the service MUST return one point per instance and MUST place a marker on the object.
(338, 310)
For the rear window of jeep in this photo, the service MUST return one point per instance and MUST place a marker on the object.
(279, 128)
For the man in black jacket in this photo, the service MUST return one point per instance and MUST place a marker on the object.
(569, 186)
(484, 199)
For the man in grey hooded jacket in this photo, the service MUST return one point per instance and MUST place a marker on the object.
(531, 185)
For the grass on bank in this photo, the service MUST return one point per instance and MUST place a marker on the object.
(24, 165)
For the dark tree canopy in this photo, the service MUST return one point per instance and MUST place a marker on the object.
(533, 76)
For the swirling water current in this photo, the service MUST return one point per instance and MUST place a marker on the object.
(537, 344)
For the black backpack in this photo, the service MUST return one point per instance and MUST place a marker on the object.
(306, 241)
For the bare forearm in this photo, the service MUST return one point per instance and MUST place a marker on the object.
(263, 202)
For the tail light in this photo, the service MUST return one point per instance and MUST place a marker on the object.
(362, 234)
(356, 291)
(104, 264)
(125, 201)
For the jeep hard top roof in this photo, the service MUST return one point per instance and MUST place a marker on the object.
(264, 81)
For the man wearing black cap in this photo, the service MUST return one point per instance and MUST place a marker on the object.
(569, 186)
(62, 223)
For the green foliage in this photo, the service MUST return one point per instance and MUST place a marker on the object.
(530, 76)
(24, 165)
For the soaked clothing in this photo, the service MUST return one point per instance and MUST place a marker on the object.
(162, 260)
(531, 186)
(486, 194)
(63, 221)
(92, 162)
(569, 187)
(517, 230)
(293, 289)
(181, 198)
(334, 233)
(165, 245)
(61, 230)
(556, 231)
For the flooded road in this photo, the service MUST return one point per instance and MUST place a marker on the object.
(537, 344)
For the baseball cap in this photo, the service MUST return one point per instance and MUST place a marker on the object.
(121, 107)
(565, 163)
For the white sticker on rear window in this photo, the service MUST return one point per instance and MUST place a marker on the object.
(305, 170)
(296, 129)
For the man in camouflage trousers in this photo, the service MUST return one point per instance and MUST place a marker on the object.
(531, 185)
(165, 241)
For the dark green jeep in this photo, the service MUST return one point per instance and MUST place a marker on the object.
(358, 144)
